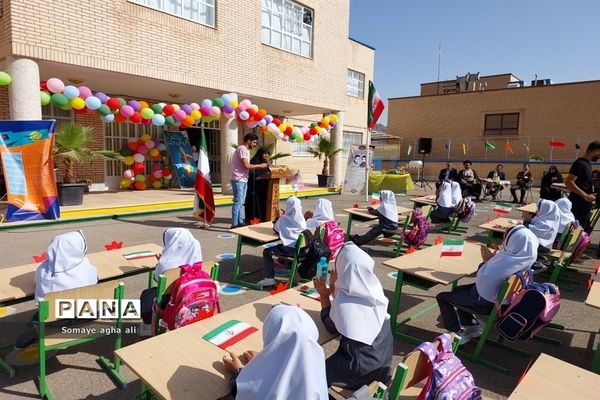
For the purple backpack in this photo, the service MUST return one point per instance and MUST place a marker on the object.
(448, 378)
(419, 231)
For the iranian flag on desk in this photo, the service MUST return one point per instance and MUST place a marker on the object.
(452, 248)
(204, 200)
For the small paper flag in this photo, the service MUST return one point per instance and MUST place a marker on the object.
(282, 286)
(229, 333)
(113, 245)
(508, 148)
(526, 146)
(556, 143)
(490, 145)
(502, 208)
(452, 248)
(41, 258)
(254, 221)
(464, 149)
(409, 150)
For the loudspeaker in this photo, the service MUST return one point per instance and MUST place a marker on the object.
(425, 145)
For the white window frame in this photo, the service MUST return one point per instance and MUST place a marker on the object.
(198, 11)
(349, 138)
(287, 25)
(356, 84)
(49, 112)
(301, 149)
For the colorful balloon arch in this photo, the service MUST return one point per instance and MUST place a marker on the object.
(117, 109)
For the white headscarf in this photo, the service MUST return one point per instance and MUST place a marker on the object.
(456, 193)
(445, 196)
(291, 364)
(387, 206)
(359, 308)
(67, 267)
(566, 216)
(323, 213)
(545, 224)
(292, 223)
(519, 253)
(180, 248)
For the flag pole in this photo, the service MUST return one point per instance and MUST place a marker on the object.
(202, 139)
(367, 167)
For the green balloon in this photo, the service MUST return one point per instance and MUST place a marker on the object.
(218, 102)
(122, 101)
(140, 178)
(169, 120)
(125, 152)
(59, 99)
(103, 110)
(147, 113)
(45, 98)
(157, 108)
(5, 79)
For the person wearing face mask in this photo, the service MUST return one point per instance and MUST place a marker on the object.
(579, 182)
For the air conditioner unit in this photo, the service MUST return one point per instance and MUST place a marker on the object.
(541, 82)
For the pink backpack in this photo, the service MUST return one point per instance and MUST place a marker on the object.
(193, 298)
(448, 378)
(419, 231)
(334, 238)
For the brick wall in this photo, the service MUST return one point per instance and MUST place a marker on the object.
(4, 111)
(5, 29)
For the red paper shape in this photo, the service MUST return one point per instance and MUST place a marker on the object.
(590, 283)
(411, 249)
(374, 202)
(356, 205)
(41, 258)
(113, 245)
(556, 143)
(254, 221)
(596, 267)
(280, 288)
(438, 240)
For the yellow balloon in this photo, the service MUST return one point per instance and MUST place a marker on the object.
(254, 107)
(156, 184)
(334, 117)
(78, 103)
(325, 121)
(282, 127)
(128, 160)
(154, 152)
(176, 107)
(146, 137)
(234, 103)
(125, 183)
(196, 114)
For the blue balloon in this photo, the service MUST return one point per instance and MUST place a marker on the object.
(93, 103)
(71, 92)
(158, 120)
(107, 118)
(207, 103)
(226, 99)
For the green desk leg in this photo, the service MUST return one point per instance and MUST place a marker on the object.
(394, 311)
(236, 267)
(490, 237)
(4, 367)
(596, 362)
(349, 227)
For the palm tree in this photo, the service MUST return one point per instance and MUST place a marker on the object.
(72, 145)
(324, 151)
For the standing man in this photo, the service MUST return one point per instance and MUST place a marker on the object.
(579, 182)
(240, 165)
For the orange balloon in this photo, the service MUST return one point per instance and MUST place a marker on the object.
(263, 128)
(143, 104)
(140, 185)
(189, 120)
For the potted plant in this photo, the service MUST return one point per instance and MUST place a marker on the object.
(324, 151)
(72, 145)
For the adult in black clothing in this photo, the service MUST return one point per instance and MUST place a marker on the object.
(546, 190)
(523, 183)
(469, 181)
(256, 196)
(448, 174)
(496, 175)
(579, 182)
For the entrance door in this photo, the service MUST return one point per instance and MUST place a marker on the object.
(213, 144)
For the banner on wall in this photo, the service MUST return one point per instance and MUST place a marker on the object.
(182, 157)
(355, 179)
(28, 168)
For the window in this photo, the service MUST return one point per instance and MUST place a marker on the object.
(115, 138)
(301, 149)
(288, 26)
(200, 11)
(501, 124)
(52, 112)
(350, 138)
(356, 84)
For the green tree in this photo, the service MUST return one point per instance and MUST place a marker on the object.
(324, 151)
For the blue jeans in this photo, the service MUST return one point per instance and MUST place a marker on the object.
(239, 197)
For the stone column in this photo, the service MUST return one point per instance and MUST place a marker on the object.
(337, 138)
(229, 136)
(24, 91)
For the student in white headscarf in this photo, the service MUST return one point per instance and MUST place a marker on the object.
(323, 213)
(358, 312)
(289, 227)
(519, 253)
(456, 193)
(388, 218)
(291, 364)
(545, 224)
(445, 206)
(66, 268)
(180, 247)
(566, 216)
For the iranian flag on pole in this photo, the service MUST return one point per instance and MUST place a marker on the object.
(375, 106)
(204, 201)
(502, 208)
(229, 333)
(452, 247)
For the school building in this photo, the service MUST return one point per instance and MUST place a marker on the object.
(293, 59)
(497, 119)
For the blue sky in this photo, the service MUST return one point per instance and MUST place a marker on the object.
(556, 39)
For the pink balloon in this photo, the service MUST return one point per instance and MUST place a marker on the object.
(127, 111)
(215, 111)
(55, 85)
(84, 92)
(158, 173)
(155, 168)
(142, 150)
(205, 110)
(195, 106)
(146, 122)
(150, 144)
(128, 173)
(179, 115)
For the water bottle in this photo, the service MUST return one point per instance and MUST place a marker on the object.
(322, 268)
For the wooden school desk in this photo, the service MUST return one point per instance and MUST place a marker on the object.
(550, 378)
(425, 200)
(362, 214)
(593, 300)
(181, 365)
(530, 208)
(254, 236)
(425, 269)
(499, 225)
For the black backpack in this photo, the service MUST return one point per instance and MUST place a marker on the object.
(314, 250)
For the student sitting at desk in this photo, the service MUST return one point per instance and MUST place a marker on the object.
(180, 248)
(323, 213)
(388, 218)
(289, 227)
(518, 254)
(566, 217)
(358, 312)
(291, 364)
(67, 267)
(445, 206)
(545, 224)
(456, 193)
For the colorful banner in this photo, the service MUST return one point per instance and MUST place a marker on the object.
(354, 182)
(26, 152)
(181, 158)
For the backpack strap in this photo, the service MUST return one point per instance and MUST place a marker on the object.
(445, 343)
(308, 235)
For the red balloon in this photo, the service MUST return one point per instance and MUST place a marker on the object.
(84, 110)
(138, 168)
(140, 142)
(140, 185)
(136, 118)
(43, 86)
(276, 121)
(288, 130)
(313, 131)
(250, 112)
(132, 146)
(262, 112)
(307, 136)
(113, 103)
(166, 172)
(120, 118)
(152, 178)
(168, 110)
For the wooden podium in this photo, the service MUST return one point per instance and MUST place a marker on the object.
(272, 206)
